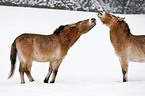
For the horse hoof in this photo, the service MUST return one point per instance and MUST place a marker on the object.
(32, 80)
(45, 81)
(22, 82)
(52, 82)
(124, 80)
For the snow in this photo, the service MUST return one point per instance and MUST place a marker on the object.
(90, 68)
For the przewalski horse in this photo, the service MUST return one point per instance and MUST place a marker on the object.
(46, 48)
(128, 47)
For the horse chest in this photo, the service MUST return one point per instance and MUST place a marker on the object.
(56, 54)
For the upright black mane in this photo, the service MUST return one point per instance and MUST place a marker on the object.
(127, 29)
(58, 30)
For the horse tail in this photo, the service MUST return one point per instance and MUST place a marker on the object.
(13, 58)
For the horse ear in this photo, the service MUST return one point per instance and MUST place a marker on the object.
(121, 19)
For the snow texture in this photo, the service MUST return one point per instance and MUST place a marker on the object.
(90, 68)
(115, 6)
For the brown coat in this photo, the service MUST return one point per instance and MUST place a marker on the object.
(44, 48)
(128, 47)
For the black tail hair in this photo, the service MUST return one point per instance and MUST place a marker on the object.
(13, 58)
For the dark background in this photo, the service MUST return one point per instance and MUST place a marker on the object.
(113, 6)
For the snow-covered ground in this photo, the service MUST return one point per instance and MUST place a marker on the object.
(90, 68)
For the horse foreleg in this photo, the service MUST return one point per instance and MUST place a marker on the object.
(55, 66)
(124, 65)
(54, 76)
(48, 75)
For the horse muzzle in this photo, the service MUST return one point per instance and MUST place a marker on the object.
(100, 14)
(93, 21)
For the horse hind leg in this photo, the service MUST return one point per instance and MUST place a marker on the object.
(21, 70)
(28, 71)
(25, 68)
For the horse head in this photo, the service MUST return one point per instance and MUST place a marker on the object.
(85, 25)
(109, 19)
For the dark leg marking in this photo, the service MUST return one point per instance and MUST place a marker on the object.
(48, 75)
(124, 75)
(54, 76)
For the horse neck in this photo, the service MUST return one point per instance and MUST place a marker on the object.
(69, 38)
(119, 34)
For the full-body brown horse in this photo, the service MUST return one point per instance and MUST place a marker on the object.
(128, 47)
(46, 48)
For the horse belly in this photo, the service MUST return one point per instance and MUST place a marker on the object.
(136, 56)
(47, 56)
(41, 58)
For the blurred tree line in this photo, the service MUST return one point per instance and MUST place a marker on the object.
(114, 6)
